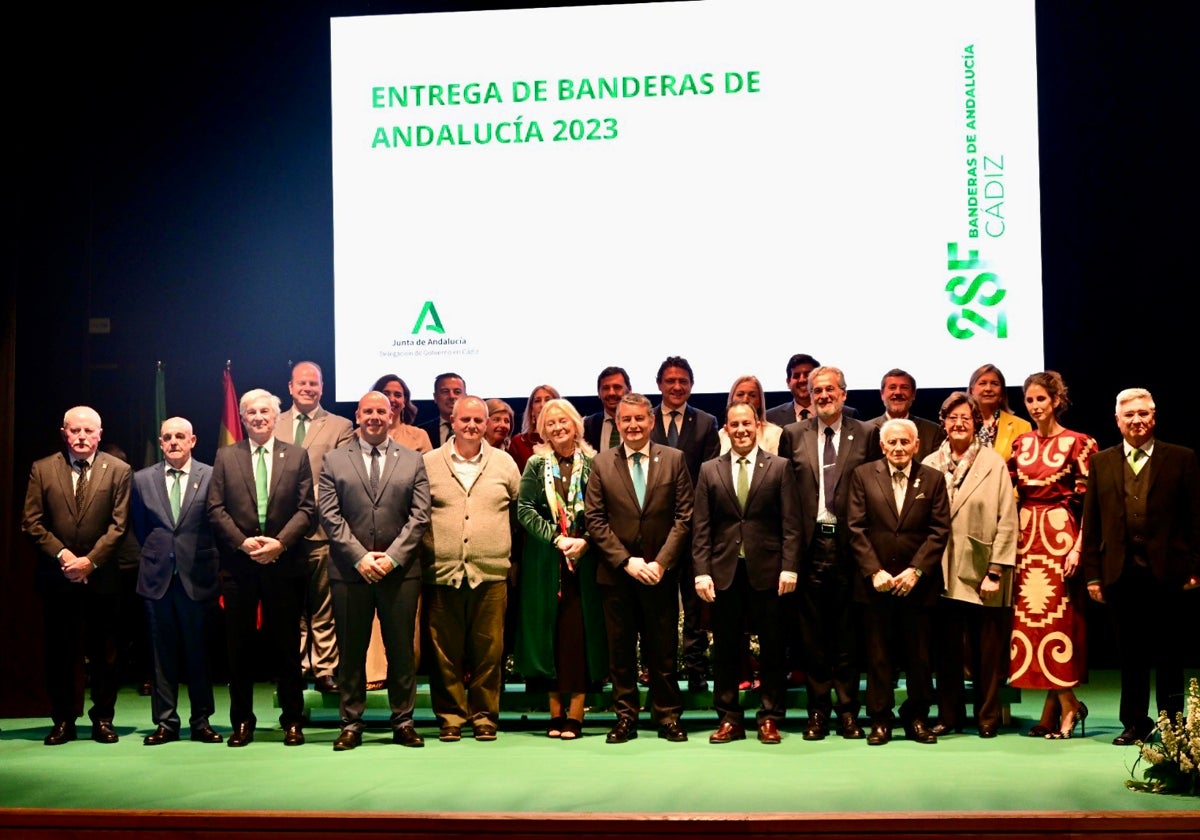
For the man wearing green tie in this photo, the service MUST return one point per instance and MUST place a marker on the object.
(261, 506)
(177, 577)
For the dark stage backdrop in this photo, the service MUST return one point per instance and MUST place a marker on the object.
(170, 171)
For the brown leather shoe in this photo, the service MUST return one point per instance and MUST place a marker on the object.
(919, 732)
(242, 734)
(624, 730)
(450, 733)
(293, 736)
(485, 731)
(768, 732)
(161, 735)
(206, 735)
(325, 684)
(727, 732)
(347, 739)
(61, 733)
(881, 733)
(407, 736)
(103, 732)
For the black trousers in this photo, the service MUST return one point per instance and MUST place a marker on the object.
(730, 612)
(658, 606)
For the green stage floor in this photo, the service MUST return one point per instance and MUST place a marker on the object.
(526, 772)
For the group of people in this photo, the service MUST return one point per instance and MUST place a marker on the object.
(889, 545)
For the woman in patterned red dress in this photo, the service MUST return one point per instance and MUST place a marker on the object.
(1049, 468)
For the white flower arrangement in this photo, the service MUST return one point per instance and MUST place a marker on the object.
(1174, 757)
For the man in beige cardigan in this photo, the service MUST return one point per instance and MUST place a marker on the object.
(467, 552)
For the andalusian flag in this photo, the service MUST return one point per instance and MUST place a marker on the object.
(231, 421)
(154, 452)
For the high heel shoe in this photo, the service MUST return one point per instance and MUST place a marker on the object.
(1067, 731)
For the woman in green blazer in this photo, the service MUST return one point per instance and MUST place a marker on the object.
(560, 632)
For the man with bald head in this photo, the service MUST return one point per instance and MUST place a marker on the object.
(308, 425)
(374, 505)
(76, 511)
(177, 577)
(466, 556)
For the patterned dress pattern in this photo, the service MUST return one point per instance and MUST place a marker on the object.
(1048, 647)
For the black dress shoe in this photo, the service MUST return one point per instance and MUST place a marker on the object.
(697, 683)
(325, 684)
(881, 733)
(243, 734)
(919, 732)
(624, 730)
(986, 730)
(407, 736)
(103, 732)
(347, 739)
(727, 732)
(673, 732)
(1132, 734)
(61, 733)
(450, 733)
(850, 729)
(162, 735)
(206, 735)
(818, 727)
(293, 736)
(485, 731)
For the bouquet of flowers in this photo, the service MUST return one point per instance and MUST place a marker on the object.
(1174, 755)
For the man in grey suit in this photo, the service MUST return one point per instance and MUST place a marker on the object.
(76, 512)
(374, 504)
(261, 506)
(898, 390)
(177, 577)
(824, 451)
(746, 545)
(639, 513)
(600, 429)
(308, 425)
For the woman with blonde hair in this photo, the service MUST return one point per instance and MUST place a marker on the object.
(747, 389)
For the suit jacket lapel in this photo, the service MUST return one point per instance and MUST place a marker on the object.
(360, 469)
(64, 471)
(812, 439)
(190, 490)
(161, 501)
(618, 456)
(315, 424)
(761, 467)
(883, 478)
(975, 478)
(247, 467)
(96, 474)
(391, 456)
(726, 476)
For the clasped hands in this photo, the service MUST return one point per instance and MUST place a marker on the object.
(900, 584)
(643, 572)
(374, 566)
(262, 549)
(75, 568)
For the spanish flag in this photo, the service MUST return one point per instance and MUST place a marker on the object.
(231, 421)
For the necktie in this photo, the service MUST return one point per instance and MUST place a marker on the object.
(673, 431)
(743, 482)
(176, 494)
(639, 478)
(898, 482)
(804, 414)
(374, 477)
(614, 437)
(260, 487)
(829, 473)
(447, 431)
(1137, 460)
(81, 485)
(301, 429)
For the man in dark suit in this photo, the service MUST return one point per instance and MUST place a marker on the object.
(824, 451)
(307, 424)
(639, 513)
(76, 511)
(177, 577)
(600, 429)
(1141, 550)
(898, 389)
(694, 433)
(448, 388)
(746, 546)
(898, 516)
(800, 406)
(261, 506)
(374, 502)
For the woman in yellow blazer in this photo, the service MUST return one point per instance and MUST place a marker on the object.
(1000, 426)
